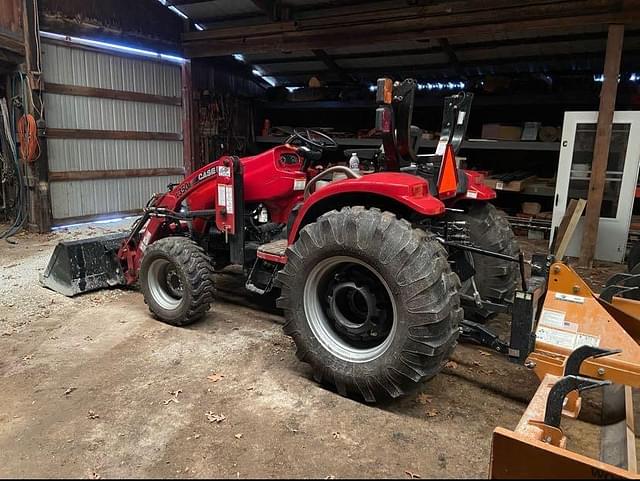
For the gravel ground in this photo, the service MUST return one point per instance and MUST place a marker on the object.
(94, 387)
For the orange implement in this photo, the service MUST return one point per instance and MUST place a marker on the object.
(572, 317)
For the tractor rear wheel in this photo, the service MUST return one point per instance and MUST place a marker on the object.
(370, 302)
(494, 279)
(176, 278)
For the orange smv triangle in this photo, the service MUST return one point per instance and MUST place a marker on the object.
(448, 182)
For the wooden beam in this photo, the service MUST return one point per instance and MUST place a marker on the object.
(548, 63)
(451, 55)
(12, 42)
(81, 91)
(112, 174)
(603, 139)
(177, 3)
(53, 133)
(270, 8)
(333, 66)
(449, 19)
(39, 208)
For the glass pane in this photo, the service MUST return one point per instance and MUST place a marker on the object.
(581, 166)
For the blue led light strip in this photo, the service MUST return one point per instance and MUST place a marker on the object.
(114, 47)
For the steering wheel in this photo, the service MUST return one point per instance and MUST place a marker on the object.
(314, 138)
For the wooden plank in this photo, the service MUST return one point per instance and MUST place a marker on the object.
(562, 228)
(78, 90)
(52, 133)
(112, 174)
(603, 139)
(632, 461)
(570, 229)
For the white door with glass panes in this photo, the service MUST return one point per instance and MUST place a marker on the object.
(574, 173)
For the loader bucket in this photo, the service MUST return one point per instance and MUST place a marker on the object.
(85, 265)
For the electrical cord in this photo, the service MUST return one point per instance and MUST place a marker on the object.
(21, 187)
(28, 139)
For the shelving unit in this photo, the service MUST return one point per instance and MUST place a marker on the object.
(477, 144)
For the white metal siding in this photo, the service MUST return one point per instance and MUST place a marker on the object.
(78, 198)
(86, 68)
(76, 66)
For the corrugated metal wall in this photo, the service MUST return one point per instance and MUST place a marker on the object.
(73, 66)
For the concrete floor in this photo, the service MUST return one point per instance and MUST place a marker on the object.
(94, 387)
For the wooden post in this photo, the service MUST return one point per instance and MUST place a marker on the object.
(187, 119)
(37, 173)
(601, 147)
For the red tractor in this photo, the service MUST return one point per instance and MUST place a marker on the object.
(371, 263)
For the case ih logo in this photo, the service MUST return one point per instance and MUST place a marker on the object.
(207, 173)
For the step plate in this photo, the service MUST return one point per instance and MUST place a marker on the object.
(274, 251)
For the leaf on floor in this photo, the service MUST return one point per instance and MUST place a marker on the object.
(215, 418)
(412, 475)
(424, 399)
(215, 377)
(451, 365)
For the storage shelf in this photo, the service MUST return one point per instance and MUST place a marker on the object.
(471, 144)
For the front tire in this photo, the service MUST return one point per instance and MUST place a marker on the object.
(176, 279)
(495, 279)
(370, 302)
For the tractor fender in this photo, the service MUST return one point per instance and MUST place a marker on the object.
(396, 192)
(476, 189)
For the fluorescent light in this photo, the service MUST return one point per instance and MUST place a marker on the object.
(178, 11)
(239, 57)
(82, 224)
(198, 26)
(634, 77)
(270, 80)
(293, 89)
(373, 88)
(112, 46)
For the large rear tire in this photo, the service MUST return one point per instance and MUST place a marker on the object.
(370, 302)
(176, 279)
(495, 279)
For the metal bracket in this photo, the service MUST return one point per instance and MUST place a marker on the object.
(478, 334)
(560, 390)
(578, 356)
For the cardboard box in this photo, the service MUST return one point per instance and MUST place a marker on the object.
(501, 132)
(513, 186)
(531, 208)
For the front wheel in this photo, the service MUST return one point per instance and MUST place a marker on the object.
(370, 302)
(494, 279)
(176, 279)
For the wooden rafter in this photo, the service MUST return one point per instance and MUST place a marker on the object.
(333, 66)
(432, 21)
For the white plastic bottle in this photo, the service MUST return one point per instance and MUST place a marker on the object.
(354, 162)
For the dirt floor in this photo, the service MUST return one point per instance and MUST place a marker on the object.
(94, 387)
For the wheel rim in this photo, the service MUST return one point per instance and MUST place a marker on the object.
(350, 309)
(165, 284)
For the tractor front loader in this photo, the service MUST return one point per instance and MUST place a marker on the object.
(373, 265)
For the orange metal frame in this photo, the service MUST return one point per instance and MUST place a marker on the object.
(571, 316)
